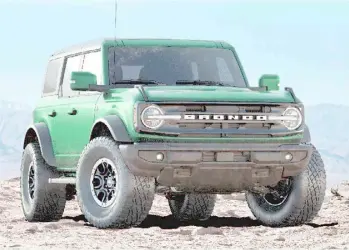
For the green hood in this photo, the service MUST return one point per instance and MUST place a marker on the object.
(205, 94)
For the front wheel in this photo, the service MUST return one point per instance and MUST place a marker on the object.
(109, 195)
(296, 200)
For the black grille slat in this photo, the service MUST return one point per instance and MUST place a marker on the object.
(221, 128)
(186, 128)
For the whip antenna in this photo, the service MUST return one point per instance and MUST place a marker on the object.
(115, 15)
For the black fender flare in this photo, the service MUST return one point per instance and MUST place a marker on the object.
(42, 134)
(306, 135)
(116, 127)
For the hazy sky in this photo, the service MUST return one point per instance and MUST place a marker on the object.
(307, 44)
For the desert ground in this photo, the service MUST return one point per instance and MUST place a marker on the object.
(232, 226)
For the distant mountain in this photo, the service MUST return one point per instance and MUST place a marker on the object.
(14, 120)
(328, 124)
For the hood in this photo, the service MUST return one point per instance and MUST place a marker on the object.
(205, 94)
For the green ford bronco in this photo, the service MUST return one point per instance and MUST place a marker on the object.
(121, 120)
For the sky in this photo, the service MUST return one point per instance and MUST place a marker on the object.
(305, 42)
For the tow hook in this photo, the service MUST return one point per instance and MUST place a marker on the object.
(169, 195)
(172, 196)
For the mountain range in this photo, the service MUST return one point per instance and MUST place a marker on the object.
(327, 122)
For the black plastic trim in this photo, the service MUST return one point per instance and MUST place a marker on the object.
(116, 127)
(44, 138)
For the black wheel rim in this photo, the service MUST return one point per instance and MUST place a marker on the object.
(31, 181)
(103, 182)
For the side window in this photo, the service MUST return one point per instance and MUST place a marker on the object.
(223, 70)
(52, 76)
(93, 63)
(72, 64)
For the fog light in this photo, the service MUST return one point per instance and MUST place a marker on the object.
(159, 156)
(288, 156)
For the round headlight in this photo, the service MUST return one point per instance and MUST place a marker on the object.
(292, 118)
(148, 117)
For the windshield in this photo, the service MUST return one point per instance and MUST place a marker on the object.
(169, 65)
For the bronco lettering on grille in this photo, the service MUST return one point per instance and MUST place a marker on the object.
(225, 117)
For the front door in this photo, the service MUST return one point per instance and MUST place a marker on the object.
(83, 107)
(64, 133)
(77, 109)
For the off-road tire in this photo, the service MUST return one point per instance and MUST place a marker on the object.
(134, 194)
(192, 206)
(48, 201)
(303, 202)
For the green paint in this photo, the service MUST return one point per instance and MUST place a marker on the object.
(81, 80)
(71, 133)
(269, 81)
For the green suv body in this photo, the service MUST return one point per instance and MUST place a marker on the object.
(122, 119)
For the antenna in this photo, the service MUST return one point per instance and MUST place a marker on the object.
(115, 14)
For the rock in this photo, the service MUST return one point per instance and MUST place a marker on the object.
(32, 230)
(52, 226)
(341, 191)
(208, 230)
(280, 238)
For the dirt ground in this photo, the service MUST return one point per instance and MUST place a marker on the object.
(232, 226)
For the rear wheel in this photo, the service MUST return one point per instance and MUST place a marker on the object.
(40, 200)
(192, 206)
(109, 195)
(294, 201)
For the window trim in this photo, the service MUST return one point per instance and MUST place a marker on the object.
(60, 93)
(58, 79)
(87, 93)
(82, 54)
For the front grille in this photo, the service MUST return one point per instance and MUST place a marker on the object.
(218, 128)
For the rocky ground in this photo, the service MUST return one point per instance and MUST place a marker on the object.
(232, 226)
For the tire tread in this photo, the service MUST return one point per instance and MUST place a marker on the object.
(139, 198)
(197, 207)
(51, 202)
(314, 178)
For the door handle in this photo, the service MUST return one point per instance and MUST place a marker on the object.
(73, 112)
(53, 113)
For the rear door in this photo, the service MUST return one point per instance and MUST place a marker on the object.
(46, 108)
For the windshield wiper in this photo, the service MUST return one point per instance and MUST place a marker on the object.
(123, 84)
(198, 82)
(137, 81)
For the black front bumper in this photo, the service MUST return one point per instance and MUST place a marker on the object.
(216, 167)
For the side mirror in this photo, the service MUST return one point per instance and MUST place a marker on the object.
(81, 80)
(270, 82)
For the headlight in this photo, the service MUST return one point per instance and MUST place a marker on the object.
(292, 118)
(149, 117)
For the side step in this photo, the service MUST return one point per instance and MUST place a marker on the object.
(65, 180)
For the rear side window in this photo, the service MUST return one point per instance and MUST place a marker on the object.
(52, 76)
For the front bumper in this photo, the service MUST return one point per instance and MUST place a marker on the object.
(216, 167)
